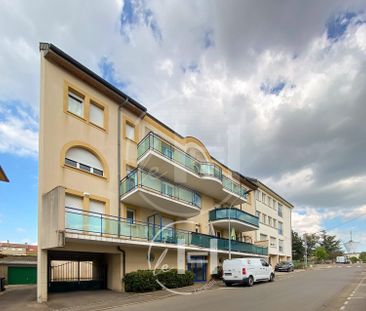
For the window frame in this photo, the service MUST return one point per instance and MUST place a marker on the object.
(88, 100)
(92, 102)
(130, 210)
(131, 124)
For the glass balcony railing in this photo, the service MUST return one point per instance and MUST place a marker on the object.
(142, 179)
(234, 214)
(91, 223)
(154, 142)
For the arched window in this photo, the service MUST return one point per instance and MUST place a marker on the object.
(84, 160)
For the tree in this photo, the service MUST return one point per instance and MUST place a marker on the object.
(312, 241)
(332, 245)
(298, 250)
(320, 253)
(363, 257)
(354, 259)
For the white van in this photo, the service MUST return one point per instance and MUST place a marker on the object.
(247, 271)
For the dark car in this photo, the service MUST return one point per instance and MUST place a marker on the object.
(286, 266)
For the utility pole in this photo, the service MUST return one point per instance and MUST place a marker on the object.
(306, 250)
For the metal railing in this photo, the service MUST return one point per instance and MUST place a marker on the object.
(154, 142)
(92, 223)
(139, 178)
(233, 214)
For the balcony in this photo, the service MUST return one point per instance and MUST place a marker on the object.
(95, 224)
(156, 153)
(239, 220)
(141, 188)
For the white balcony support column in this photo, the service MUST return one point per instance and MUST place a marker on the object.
(213, 255)
(181, 253)
(42, 279)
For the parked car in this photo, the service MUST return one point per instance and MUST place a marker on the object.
(286, 266)
(247, 271)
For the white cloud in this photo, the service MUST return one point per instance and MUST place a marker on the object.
(306, 141)
(18, 131)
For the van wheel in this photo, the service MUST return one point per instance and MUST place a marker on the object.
(272, 277)
(250, 281)
(228, 284)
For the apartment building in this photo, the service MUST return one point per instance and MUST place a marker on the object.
(121, 191)
(16, 249)
(274, 214)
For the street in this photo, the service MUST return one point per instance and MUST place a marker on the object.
(321, 289)
(325, 288)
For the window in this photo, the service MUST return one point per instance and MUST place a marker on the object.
(273, 242)
(280, 211)
(280, 245)
(264, 218)
(270, 221)
(280, 227)
(78, 103)
(264, 263)
(84, 160)
(274, 223)
(73, 201)
(258, 214)
(263, 198)
(269, 201)
(257, 194)
(218, 234)
(167, 189)
(196, 199)
(274, 204)
(167, 150)
(96, 206)
(75, 104)
(130, 131)
(130, 215)
(96, 115)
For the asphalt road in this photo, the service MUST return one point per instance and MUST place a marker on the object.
(336, 288)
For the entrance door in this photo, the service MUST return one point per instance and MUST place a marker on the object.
(198, 265)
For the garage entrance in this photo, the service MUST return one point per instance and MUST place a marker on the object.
(22, 275)
(76, 271)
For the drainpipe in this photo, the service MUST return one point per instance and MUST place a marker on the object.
(119, 163)
(124, 260)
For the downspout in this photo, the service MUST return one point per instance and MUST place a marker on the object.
(119, 164)
(123, 259)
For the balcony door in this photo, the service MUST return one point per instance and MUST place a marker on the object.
(159, 229)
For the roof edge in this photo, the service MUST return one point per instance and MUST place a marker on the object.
(44, 46)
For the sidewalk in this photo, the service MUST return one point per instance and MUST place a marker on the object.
(24, 298)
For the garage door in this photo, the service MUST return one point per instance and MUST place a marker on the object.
(22, 275)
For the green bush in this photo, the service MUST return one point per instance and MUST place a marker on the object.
(146, 281)
(298, 264)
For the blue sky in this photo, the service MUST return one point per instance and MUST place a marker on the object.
(292, 91)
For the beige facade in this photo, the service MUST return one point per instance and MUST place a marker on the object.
(274, 215)
(122, 191)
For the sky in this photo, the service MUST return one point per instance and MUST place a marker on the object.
(275, 90)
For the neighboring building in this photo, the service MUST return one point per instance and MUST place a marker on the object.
(18, 269)
(117, 188)
(16, 249)
(3, 175)
(274, 214)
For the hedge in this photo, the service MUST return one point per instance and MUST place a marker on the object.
(146, 280)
